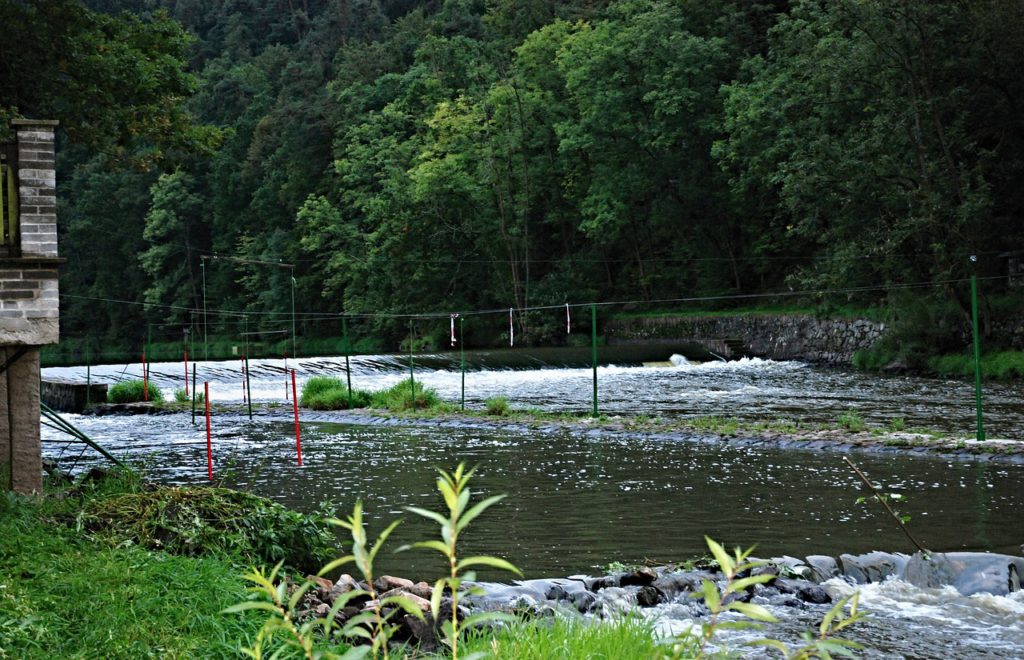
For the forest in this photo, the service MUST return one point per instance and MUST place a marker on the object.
(378, 158)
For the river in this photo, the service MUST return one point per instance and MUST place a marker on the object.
(578, 500)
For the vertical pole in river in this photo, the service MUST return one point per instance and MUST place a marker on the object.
(462, 361)
(977, 353)
(88, 378)
(195, 394)
(348, 366)
(248, 386)
(412, 370)
(593, 350)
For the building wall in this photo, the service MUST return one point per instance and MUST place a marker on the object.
(29, 307)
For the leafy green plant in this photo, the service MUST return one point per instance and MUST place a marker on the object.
(496, 406)
(205, 521)
(851, 421)
(405, 396)
(132, 391)
(327, 393)
(363, 555)
(455, 491)
(897, 424)
(736, 569)
(886, 500)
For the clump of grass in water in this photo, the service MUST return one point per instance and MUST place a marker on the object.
(497, 406)
(851, 421)
(326, 393)
(132, 391)
(403, 396)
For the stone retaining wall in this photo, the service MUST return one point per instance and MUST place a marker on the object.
(779, 337)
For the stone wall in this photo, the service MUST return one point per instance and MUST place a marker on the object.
(29, 305)
(779, 337)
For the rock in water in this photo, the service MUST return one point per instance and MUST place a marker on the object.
(969, 572)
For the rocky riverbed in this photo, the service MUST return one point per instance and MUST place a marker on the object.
(797, 586)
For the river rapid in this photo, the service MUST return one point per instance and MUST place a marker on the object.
(578, 500)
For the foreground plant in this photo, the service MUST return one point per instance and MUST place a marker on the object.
(372, 625)
(380, 628)
(718, 602)
(454, 489)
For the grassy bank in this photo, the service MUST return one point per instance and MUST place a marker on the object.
(66, 595)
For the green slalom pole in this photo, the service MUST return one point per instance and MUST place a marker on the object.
(412, 372)
(977, 355)
(88, 378)
(348, 368)
(462, 360)
(593, 350)
(248, 388)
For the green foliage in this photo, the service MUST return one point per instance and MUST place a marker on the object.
(1002, 365)
(327, 393)
(851, 421)
(897, 424)
(211, 521)
(400, 396)
(497, 406)
(627, 637)
(373, 627)
(455, 491)
(67, 595)
(132, 391)
(737, 571)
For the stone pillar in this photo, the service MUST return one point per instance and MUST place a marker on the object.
(23, 458)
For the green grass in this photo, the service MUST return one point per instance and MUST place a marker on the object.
(497, 406)
(327, 393)
(65, 595)
(401, 396)
(569, 639)
(1002, 365)
(131, 391)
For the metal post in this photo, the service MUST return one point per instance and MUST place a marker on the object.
(348, 367)
(206, 326)
(412, 371)
(295, 352)
(593, 349)
(462, 360)
(248, 387)
(977, 354)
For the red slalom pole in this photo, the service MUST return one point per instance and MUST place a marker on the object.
(209, 444)
(295, 407)
(145, 378)
(186, 373)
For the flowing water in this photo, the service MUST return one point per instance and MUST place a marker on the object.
(578, 500)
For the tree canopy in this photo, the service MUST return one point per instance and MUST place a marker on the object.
(445, 155)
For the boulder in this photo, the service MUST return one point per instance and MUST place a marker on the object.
(871, 567)
(969, 572)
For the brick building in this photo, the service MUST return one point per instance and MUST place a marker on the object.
(29, 306)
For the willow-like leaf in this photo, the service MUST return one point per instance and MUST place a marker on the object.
(476, 510)
(483, 560)
(725, 562)
(333, 564)
(426, 513)
(752, 611)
